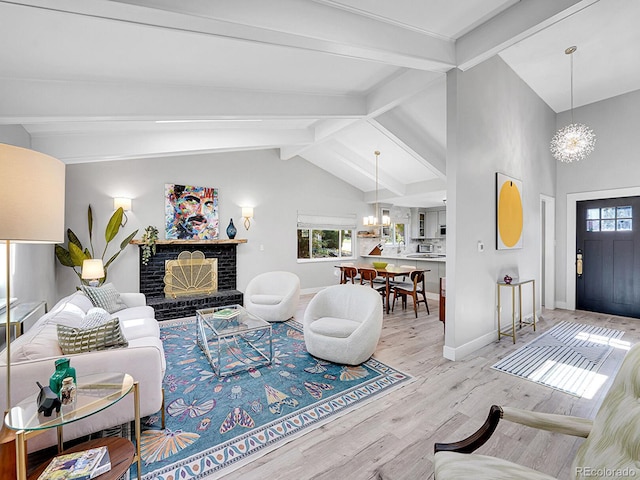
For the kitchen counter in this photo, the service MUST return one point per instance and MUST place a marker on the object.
(421, 257)
(435, 267)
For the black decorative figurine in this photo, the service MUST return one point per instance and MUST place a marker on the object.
(47, 401)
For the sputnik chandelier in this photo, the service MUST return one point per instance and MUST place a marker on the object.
(575, 141)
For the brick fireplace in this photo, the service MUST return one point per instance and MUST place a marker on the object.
(152, 277)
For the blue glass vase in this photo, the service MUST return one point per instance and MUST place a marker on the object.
(231, 230)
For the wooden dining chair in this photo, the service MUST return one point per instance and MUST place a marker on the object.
(369, 276)
(414, 288)
(348, 274)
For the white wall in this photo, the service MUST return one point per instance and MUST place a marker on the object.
(277, 189)
(33, 265)
(496, 123)
(614, 165)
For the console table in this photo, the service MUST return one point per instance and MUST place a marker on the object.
(94, 393)
(511, 332)
(21, 313)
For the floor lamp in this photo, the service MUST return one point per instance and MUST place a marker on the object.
(31, 211)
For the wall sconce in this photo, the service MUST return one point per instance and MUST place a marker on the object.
(247, 214)
(125, 203)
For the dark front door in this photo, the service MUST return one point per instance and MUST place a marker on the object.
(608, 238)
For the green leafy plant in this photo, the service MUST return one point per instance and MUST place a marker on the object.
(75, 253)
(149, 239)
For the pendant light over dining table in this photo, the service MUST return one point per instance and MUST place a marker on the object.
(372, 220)
(575, 141)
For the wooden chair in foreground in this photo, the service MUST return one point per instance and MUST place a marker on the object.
(414, 288)
(609, 451)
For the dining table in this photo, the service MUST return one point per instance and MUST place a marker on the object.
(388, 273)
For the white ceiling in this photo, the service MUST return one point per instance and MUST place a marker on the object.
(329, 81)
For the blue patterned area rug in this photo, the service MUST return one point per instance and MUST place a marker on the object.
(566, 357)
(215, 425)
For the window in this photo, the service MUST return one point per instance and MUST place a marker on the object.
(325, 237)
(610, 219)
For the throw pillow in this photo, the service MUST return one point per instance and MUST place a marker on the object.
(95, 317)
(75, 340)
(106, 297)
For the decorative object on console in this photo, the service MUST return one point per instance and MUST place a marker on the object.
(149, 240)
(23, 169)
(508, 279)
(191, 213)
(372, 220)
(231, 230)
(509, 212)
(68, 391)
(93, 271)
(76, 254)
(125, 204)
(247, 214)
(47, 401)
(575, 141)
(63, 370)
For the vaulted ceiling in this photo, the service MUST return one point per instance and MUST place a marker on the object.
(329, 81)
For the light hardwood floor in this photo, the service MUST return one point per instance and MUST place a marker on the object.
(393, 436)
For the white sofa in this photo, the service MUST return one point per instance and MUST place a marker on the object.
(33, 356)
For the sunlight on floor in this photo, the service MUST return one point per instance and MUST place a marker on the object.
(572, 379)
(612, 342)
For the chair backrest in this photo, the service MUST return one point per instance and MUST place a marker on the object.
(353, 302)
(417, 278)
(349, 274)
(276, 282)
(614, 438)
(367, 275)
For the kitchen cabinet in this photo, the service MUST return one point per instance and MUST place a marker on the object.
(442, 217)
(432, 224)
(418, 224)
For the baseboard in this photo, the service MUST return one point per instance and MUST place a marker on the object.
(562, 305)
(462, 351)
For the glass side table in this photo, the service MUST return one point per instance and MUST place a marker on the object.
(233, 339)
(94, 393)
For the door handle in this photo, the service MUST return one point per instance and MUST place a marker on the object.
(579, 263)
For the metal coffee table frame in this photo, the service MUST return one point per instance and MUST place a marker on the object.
(244, 338)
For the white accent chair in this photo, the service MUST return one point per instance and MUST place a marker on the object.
(342, 324)
(273, 296)
(610, 449)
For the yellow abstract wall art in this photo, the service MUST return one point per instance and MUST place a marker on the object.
(509, 212)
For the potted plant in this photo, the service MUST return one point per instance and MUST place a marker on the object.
(75, 253)
(149, 239)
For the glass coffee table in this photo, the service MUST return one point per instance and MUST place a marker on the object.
(233, 339)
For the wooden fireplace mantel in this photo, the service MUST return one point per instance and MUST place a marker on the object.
(194, 242)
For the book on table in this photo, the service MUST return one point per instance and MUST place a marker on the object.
(83, 465)
(226, 313)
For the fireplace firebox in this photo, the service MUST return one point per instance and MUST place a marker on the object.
(152, 277)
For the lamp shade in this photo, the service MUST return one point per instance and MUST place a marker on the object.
(32, 196)
(123, 202)
(247, 212)
(92, 269)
